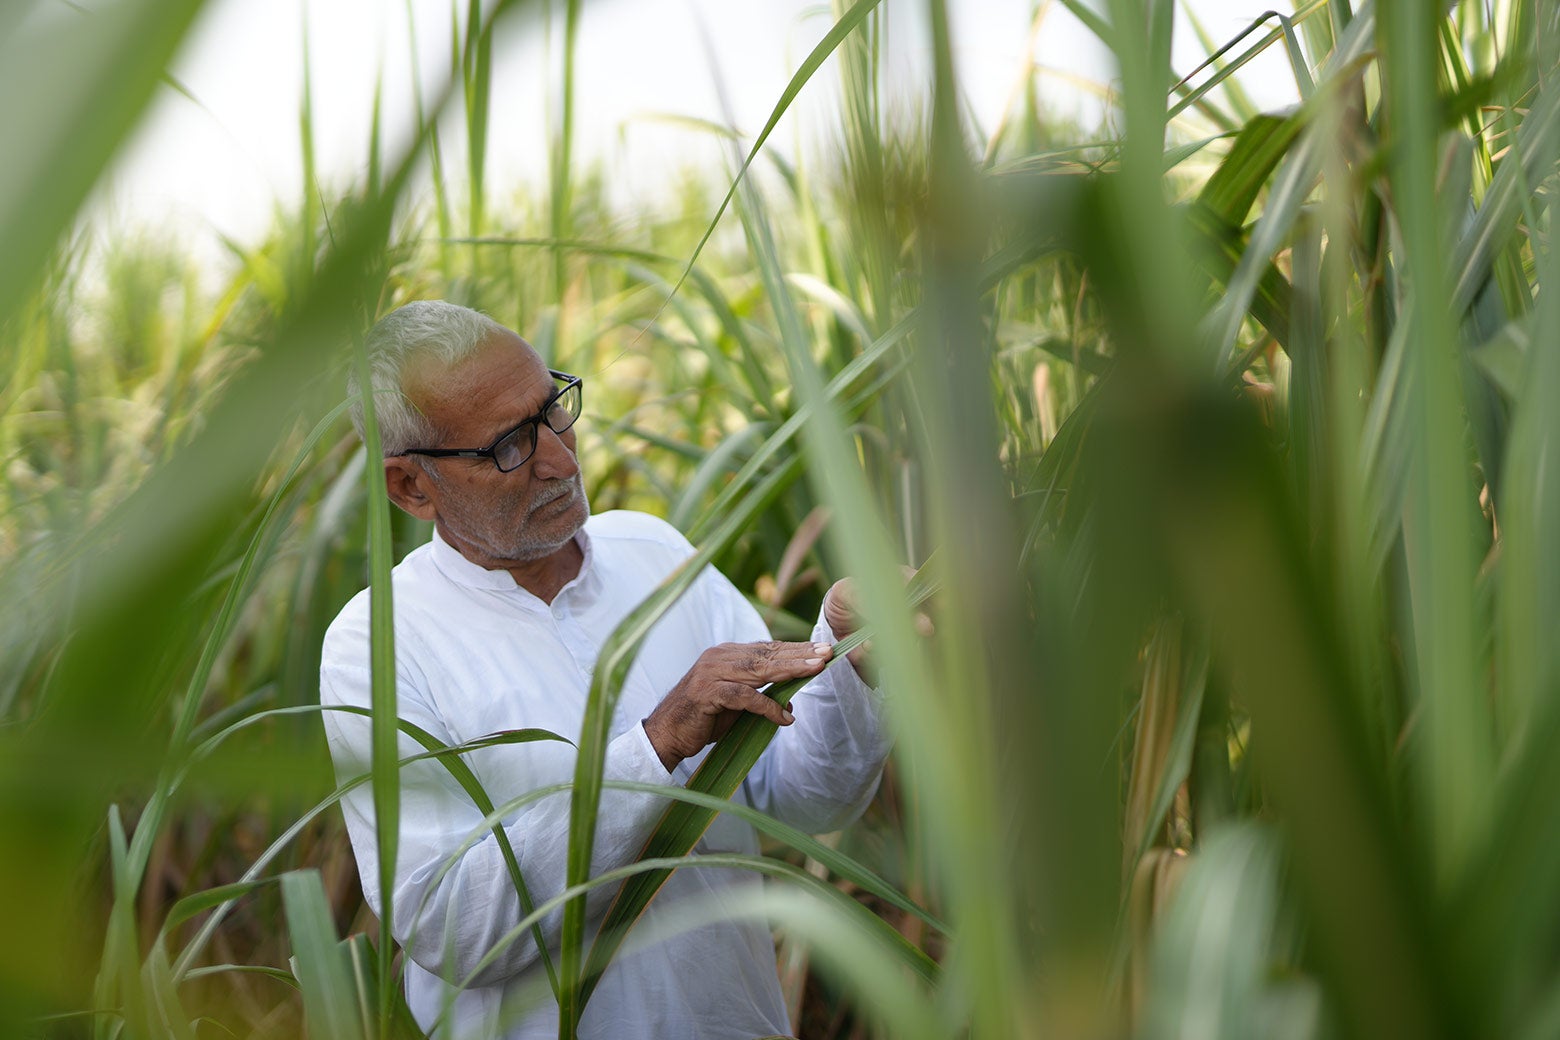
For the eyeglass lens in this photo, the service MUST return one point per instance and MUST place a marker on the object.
(514, 450)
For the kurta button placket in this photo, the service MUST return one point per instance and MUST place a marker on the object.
(573, 637)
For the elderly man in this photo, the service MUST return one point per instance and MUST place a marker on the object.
(499, 620)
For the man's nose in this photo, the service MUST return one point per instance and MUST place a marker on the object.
(554, 458)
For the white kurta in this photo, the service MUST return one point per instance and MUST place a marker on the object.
(475, 654)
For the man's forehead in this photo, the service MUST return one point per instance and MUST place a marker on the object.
(503, 381)
(499, 358)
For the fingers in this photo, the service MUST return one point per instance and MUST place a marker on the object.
(745, 698)
(705, 702)
(842, 595)
(839, 608)
(757, 664)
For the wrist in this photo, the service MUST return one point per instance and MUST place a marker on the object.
(660, 745)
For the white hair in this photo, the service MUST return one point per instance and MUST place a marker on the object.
(427, 329)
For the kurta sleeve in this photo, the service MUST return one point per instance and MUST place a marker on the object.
(820, 772)
(454, 897)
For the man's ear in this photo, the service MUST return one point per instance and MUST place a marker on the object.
(409, 487)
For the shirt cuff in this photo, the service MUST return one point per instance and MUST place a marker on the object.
(642, 762)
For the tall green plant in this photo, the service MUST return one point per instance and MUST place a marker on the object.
(1286, 423)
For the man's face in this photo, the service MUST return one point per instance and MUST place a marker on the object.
(496, 518)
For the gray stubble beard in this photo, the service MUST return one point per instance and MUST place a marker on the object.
(537, 550)
(518, 548)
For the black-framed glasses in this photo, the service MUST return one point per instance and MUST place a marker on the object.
(515, 446)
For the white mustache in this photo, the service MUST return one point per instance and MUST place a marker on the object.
(548, 498)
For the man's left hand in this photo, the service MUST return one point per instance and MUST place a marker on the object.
(841, 613)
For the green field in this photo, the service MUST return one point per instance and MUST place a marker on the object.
(1223, 437)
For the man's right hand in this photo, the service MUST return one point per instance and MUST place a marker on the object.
(722, 684)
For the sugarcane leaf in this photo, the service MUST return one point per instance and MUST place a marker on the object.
(1222, 250)
(319, 964)
(716, 463)
(154, 551)
(202, 901)
(1226, 70)
(1295, 177)
(1164, 766)
(908, 955)
(363, 961)
(86, 77)
(166, 1009)
(617, 656)
(720, 774)
(1503, 358)
(1366, 901)
(1213, 952)
(437, 750)
(267, 971)
(1258, 149)
(1499, 929)
(847, 23)
(1297, 62)
(840, 864)
(1516, 178)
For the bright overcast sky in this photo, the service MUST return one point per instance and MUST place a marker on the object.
(223, 163)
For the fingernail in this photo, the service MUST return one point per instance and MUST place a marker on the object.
(812, 661)
(822, 648)
(787, 716)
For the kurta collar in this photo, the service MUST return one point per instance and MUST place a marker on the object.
(462, 571)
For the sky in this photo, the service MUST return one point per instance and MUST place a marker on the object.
(218, 160)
